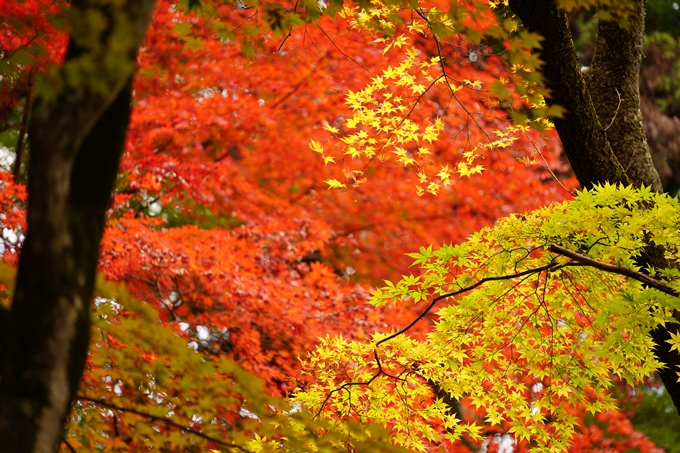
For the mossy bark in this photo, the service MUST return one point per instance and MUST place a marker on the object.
(584, 140)
(76, 143)
(613, 82)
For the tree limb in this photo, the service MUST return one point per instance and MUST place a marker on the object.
(345, 386)
(583, 260)
(165, 420)
(23, 130)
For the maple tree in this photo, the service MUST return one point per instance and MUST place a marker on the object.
(138, 185)
(217, 212)
(389, 386)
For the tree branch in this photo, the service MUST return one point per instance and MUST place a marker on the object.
(583, 260)
(165, 420)
(345, 386)
(618, 106)
(550, 266)
(23, 130)
(578, 260)
(68, 445)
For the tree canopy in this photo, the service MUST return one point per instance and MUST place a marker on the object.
(240, 174)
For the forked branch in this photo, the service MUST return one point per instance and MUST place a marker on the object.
(550, 266)
(165, 420)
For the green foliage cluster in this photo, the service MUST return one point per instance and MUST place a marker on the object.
(656, 418)
(663, 16)
(8, 138)
(144, 379)
(667, 82)
(528, 336)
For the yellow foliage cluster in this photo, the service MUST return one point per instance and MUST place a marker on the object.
(383, 127)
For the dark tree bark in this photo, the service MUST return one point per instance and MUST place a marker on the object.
(613, 81)
(581, 132)
(76, 143)
(23, 129)
(602, 137)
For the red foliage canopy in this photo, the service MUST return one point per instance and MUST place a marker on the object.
(221, 218)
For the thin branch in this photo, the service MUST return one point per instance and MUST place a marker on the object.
(403, 120)
(447, 77)
(614, 269)
(69, 446)
(616, 112)
(551, 266)
(23, 130)
(343, 53)
(167, 421)
(313, 43)
(302, 82)
(246, 20)
(290, 31)
(8, 56)
(538, 151)
(116, 431)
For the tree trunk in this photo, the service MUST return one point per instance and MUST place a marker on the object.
(613, 82)
(602, 137)
(583, 138)
(76, 143)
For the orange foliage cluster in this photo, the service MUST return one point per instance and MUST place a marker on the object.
(220, 141)
(30, 42)
(260, 304)
(12, 214)
(221, 218)
(214, 111)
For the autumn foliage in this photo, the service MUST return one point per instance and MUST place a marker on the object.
(223, 224)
